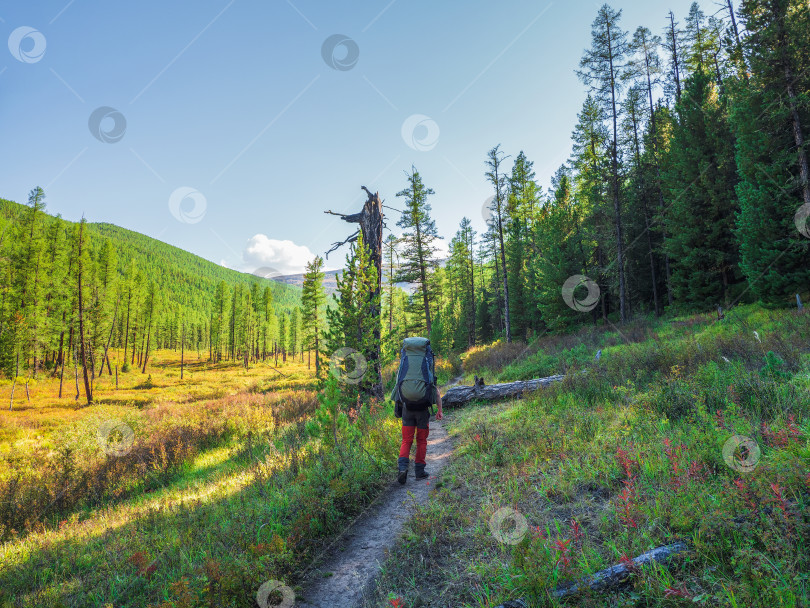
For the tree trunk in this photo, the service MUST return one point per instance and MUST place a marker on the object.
(182, 350)
(675, 69)
(370, 220)
(317, 358)
(88, 390)
(459, 395)
(59, 358)
(646, 214)
(798, 137)
(146, 352)
(610, 577)
(62, 357)
(740, 54)
(616, 203)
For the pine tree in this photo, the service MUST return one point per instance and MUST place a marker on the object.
(294, 322)
(673, 44)
(521, 205)
(82, 259)
(351, 322)
(498, 179)
(603, 70)
(590, 163)
(312, 301)
(418, 261)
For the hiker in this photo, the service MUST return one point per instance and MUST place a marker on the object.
(414, 395)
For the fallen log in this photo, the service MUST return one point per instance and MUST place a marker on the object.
(459, 395)
(609, 577)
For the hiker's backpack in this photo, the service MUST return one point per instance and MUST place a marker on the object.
(416, 377)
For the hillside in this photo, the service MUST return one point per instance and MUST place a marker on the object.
(182, 277)
(178, 269)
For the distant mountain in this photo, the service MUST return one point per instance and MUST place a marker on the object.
(297, 280)
(329, 281)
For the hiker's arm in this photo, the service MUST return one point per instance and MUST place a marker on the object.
(439, 414)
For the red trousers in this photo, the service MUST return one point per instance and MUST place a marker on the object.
(421, 443)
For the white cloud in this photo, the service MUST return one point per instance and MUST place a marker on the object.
(284, 257)
(442, 249)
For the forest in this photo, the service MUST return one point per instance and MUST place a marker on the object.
(689, 201)
(184, 435)
(67, 285)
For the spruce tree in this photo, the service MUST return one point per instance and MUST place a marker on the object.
(772, 123)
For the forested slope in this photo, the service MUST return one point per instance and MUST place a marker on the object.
(184, 274)
(66, 285)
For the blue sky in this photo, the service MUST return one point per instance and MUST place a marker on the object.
(224, 129)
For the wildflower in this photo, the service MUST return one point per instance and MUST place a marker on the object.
(396, 602)
(745, 493)
(576, 531)
(793, 431)
(628, 563)
(679, 591)
(626, 462)
(563, 551)
(628, 496)
(537, 532)
(780, 500)
(720, 420)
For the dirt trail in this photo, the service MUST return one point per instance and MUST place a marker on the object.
(346, 573)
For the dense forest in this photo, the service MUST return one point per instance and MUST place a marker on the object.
(73, 291)
(686, 190)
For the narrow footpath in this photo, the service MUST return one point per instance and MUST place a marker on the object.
(346, 573)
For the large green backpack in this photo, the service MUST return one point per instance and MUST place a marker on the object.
(416, 377)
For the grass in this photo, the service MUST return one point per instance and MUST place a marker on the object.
(222, 489)
(625, 455)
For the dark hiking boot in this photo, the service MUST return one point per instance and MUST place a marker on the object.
(402, 476)
(421, 473)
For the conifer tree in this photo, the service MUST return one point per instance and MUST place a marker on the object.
(497, 177)
(418, 254)
(700, 177)
(603, 71)
(312, 301)
(772, 124)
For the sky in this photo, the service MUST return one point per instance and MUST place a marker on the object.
(228, 127)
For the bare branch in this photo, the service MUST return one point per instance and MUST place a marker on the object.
(350, 239)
